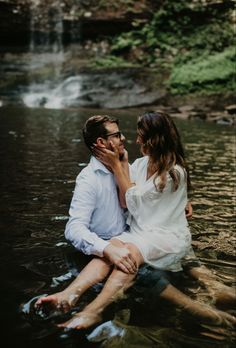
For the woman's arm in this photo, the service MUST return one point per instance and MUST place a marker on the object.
(119, 167)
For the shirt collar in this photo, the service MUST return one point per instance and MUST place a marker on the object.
(97, 165)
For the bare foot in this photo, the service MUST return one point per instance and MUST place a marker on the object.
(221, 293)
(60, 300)
(213, 316)
(82, 320)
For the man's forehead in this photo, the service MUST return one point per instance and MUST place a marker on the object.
(111, 126)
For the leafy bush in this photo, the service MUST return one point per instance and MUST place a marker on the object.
(193, 40)
(209, 73)
(111, 62)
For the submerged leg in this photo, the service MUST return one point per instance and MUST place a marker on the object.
(95, 271)
(197, 309)
(221, 293)
(116, 284)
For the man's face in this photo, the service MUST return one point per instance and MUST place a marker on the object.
(114, 135)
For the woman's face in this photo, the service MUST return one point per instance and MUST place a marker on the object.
(139, 139)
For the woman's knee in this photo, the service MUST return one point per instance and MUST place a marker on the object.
(136, 254)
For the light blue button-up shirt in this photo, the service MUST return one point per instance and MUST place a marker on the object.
(95, 212)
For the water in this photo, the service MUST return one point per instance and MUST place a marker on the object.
(46, 26)
(41, 154)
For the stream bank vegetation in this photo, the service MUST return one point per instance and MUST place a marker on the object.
(192, 40)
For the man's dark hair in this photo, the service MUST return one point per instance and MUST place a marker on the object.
(95, 127)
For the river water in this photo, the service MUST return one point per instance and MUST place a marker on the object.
(41, 154)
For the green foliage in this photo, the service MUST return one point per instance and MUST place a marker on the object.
(208, 73)
(110, 61)
(187, 37)
(126, 41)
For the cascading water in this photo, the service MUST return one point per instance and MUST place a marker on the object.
(47, 54)
(54, 78)
(57, 98)
(46, 26)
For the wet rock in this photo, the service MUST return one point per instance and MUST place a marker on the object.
(200, 115)
(224, 121)
(181, 115)
(14, 23)
(117, 89)
(231, 109)
(220, 117)
(186, 108)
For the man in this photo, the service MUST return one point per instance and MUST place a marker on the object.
(96, 217)
(95, 212)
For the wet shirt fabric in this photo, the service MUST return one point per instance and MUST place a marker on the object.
(95, 212)
(158, 226)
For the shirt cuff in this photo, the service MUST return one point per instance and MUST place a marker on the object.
(99, 247)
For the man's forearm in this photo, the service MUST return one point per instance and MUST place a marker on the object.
(84, 240)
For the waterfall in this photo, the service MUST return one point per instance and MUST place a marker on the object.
(46, 52)
(49, 87)
(46, 26)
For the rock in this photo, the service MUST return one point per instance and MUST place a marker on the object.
(105, 89)
(186, 108)
(88, 14)
(201, 115)
(224, 121)
(216, 114)
(220, 117)
(231, 109)
(181, 115)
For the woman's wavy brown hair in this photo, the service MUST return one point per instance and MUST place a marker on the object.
(161, 142)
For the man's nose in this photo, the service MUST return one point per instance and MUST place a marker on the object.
(122, 137)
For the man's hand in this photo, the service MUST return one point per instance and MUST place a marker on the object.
(121, 257)
(189, 210)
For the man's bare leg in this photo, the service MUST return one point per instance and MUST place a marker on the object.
(203, 312)
(116, 284)
(94, 272)
(221, 293)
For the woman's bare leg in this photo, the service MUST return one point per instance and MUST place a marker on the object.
(221, 293)
(114, 288)
(94, 272)
(203, 312)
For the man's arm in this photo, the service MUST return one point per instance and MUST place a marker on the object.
(82, 207)
(78, 230)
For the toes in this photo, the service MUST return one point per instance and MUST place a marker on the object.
(64, 306)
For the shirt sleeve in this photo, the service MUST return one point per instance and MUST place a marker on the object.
(133, 171)
(81, 210)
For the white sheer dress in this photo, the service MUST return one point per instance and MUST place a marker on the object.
(158, 226)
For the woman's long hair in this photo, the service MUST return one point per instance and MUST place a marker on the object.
(161, 142)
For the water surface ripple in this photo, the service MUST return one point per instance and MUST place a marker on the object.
(41, 154)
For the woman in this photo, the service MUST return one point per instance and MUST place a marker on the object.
(155, 193)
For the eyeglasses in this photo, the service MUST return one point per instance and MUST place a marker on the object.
(116, 134)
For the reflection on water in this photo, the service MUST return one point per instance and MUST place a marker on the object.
(41, 154)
